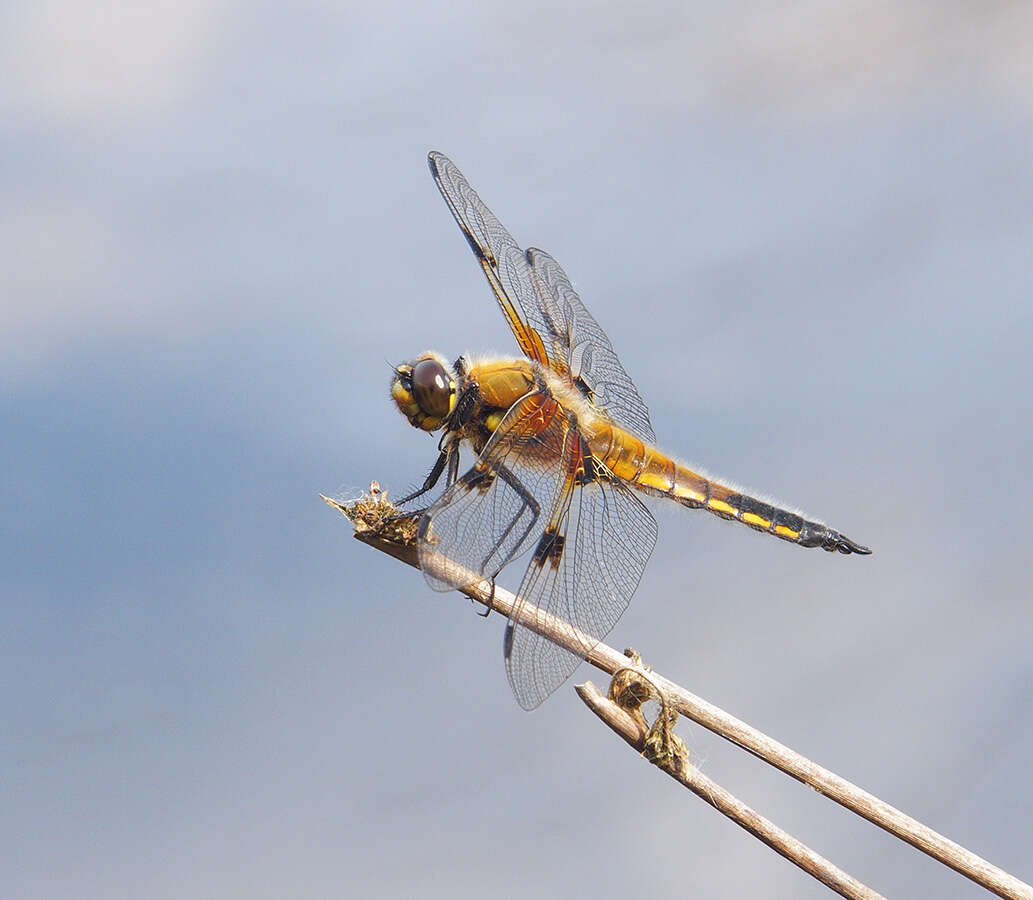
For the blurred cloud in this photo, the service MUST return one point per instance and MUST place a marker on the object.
(101, 100)
(102, 65)
(817, 59)
(53, 256)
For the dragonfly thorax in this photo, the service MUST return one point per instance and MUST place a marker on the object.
(424, 391)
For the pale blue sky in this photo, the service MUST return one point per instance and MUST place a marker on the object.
(807, 229)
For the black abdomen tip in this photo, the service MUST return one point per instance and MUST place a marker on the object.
(840, 542)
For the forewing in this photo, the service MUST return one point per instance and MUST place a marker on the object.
(504, 263)
(588, 352)
(605, 536)
(497, 509)
(544, 312)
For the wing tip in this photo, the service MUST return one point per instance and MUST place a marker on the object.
(434, 160)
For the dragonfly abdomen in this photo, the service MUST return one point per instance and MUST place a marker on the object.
(657, 474)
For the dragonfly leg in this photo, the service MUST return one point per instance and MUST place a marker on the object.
(529, 504)
(491, 598)
(453, 469)
(435, 473)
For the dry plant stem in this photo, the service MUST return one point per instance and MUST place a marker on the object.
(727, 726)
(633, 731)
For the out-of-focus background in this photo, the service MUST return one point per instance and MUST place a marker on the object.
(807, 228)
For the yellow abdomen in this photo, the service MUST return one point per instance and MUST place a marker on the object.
(642, 466)
(653, 472)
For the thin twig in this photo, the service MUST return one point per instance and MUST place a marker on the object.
(372, 515)
(634, 731)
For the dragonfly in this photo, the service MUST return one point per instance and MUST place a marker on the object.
(564, 452)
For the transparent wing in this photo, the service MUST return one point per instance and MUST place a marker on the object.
(504, 264)
(544, 312)
(584, 572)
(497, 509)
(590, 357)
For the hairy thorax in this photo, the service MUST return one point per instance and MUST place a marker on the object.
(501, 382)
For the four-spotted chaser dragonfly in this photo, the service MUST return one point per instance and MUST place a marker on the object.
(564, 447)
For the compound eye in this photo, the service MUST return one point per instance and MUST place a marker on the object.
(431, 387)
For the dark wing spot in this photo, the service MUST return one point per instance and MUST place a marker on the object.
(550, 547)
(479, 478)
(591, 470)
(583, 386)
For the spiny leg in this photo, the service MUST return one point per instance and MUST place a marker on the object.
(444, 457)
(529, 503)
(453, 469)
(491, 599)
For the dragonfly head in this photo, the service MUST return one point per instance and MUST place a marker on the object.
(425, 391)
